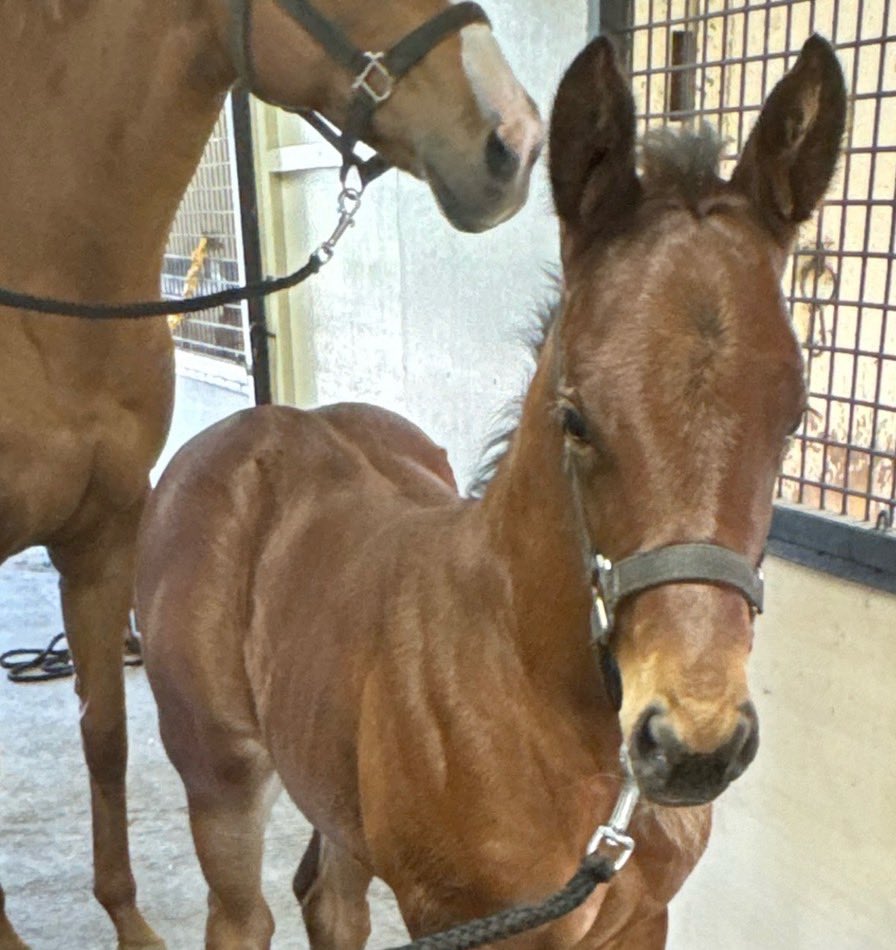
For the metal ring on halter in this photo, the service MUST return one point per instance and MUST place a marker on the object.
(375, 67)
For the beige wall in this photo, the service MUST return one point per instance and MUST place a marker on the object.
(803, 853)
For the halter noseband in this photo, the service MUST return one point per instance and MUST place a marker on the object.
(675, 563)
(375, 74)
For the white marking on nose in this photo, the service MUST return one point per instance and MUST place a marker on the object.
(500, 97)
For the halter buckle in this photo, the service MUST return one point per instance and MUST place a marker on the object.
(384, 78)
(602, 610)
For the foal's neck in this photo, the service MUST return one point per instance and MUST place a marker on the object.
(111, 107)
(536, 530)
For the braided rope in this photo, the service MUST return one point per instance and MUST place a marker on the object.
(593, 871)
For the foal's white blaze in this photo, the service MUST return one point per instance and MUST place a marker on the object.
(501, 98)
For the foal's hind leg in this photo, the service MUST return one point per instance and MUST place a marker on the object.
(332, 888)
(230, 799)
(96, 587)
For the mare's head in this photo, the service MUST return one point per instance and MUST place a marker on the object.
(458, 118)
(678, 382)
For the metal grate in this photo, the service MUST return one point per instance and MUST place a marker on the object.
(716, 60)
(203, 253)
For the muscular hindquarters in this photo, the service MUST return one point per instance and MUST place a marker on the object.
(250, 534)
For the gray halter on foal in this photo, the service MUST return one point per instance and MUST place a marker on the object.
(676, 563)
(375, 74)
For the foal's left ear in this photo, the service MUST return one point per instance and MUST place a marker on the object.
(789, 159)
(592, 142)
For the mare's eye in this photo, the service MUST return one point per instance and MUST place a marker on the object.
(573, 424)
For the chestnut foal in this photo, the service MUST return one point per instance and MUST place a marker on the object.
(322, 610)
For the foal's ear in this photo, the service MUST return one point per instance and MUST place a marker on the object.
(789, 159)
(592, 141)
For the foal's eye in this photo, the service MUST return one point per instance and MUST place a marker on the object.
(573, 424)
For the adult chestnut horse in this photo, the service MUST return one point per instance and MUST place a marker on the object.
(106, 107)
(320, 607)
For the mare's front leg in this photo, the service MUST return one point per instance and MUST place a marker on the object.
(96, 586)
(8, 938)
(331, 887)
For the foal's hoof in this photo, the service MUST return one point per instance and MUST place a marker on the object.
(155, 943)
(10, 941)
(141, 937)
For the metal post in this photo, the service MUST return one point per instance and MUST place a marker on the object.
(245, 171)
(612, 18)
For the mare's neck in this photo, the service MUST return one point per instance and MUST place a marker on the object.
(108, 109)
(536, 531)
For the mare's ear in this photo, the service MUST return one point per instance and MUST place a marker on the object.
(592, 142)
(789, 159)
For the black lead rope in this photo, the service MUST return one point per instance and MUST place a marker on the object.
(38, 666)
(593, 871)
(158, 308)
(53, 662)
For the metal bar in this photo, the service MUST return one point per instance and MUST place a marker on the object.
(245, 170)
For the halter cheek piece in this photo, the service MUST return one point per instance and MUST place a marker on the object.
(375, 74)
(673, 564)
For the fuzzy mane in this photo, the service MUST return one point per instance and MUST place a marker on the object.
(684, 163)
(505, 426)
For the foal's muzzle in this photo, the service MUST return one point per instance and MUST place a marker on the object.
(670, 773)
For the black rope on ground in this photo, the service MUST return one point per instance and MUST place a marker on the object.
(593, 871)
(51, 663)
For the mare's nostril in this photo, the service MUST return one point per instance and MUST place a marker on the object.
(500, 159)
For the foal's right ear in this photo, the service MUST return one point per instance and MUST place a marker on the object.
(791, 153)
(592, 142)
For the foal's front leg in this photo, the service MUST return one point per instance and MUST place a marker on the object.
(331, 887)
(96, 587)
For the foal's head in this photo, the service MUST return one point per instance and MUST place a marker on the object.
(458, 118)
(679, 380)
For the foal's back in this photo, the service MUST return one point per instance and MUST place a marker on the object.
(260, 535)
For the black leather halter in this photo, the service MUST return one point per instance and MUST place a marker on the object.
(375, 73)
(699, 562)
(676, 563)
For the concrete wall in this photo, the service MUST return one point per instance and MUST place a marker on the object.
(411, 314)
(802, 855)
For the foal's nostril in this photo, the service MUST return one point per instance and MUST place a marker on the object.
(670, 773)
(647, 742)
(500, 159)
(745, 742)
